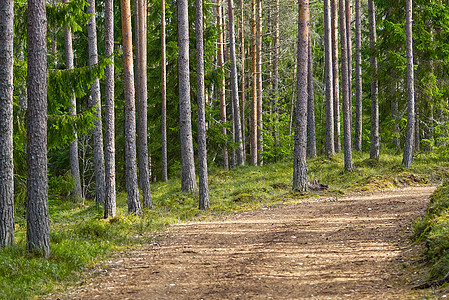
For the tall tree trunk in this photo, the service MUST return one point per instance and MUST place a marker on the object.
(142, 106)
(110, 205)
(259, 83)
(234, 86)
(95, 101)
(130, 112)
(348, 16)
(345, 89)
(310, 104)
(222, 88)
(164, 95)
(276, 74)
(417, 146)
(188, 179)
(38, 225)
(335, 75)
(358, 78)
(329, 79)
(254, 131)
(202, 146)
(73, 149)
(292, 101)
(299, 158)
(408, 148)
(374, 143)
(394, 115)
(6, 124)
(242, 49)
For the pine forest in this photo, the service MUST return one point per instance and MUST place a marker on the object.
(211, 135)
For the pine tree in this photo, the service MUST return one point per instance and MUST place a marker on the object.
(202, 146)
(109, 115)
(374, 147)
(188, 180)
(6, 124)
(38, 225)
(358, 78)
(164, 95)
(329, 80)
(299, 158)
(409, 139)
(130, 117)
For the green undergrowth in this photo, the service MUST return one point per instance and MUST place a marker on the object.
(433, 230)
(81, 238)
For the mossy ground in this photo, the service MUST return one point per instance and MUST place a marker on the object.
(81, 238)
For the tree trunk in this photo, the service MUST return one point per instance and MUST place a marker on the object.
(164, 95)
(358, 78)
(234, 86)
(345, 89)
(202, 146)
(6, 124)
(348, 16)
(259, 83)
(130, 112)
(188, 179)
(95, 101)
(408, 148)
(142, 107)
(374, 146)
(109, 115)
(417, 147)
(394, 115)
(329, 80)
(335, 75)
(299, 158)
(276, 73)
(292, 101)
(222, 88)
(38, 227)
(254, 131)
(242, 48)
(310, 104)
(73, 149)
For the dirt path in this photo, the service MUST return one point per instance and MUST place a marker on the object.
(352, 248)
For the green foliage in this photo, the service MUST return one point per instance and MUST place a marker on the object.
(433, 228)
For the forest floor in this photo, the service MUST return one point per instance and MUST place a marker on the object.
(354, 247)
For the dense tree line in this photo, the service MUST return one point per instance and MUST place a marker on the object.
(117, 112)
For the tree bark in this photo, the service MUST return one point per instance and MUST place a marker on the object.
(348, 15)
(299, 158)
(188, 180)
(394, 115)
(276, 74)
(253, 144)
(242, 48)
(95, 101)
(374, 143)
(234, 86)
(345, 90)
(38, 227)
(409, 139)
(164, 95)
(329, 80)
(310, 104)
(335, 75)
(110, 205)
(202, 146)
(358, 79)
(259, 83)
(222, 88)
(130, 112)
(6, 124)
(142, 106)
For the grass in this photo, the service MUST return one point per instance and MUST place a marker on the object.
(81, 238)
(433, 230)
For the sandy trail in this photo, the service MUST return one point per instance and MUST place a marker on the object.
(352, 248)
